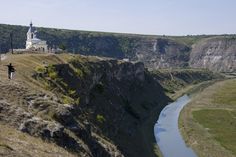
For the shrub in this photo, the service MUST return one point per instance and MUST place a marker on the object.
(40, 69)
(67, 100)
(71, 92)
(52, 75)
(47, 85)
(99, 88)
(79, 72)
(77, 101)
(100, 118)
(52, 72)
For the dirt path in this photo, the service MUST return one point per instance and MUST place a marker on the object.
(3, 57)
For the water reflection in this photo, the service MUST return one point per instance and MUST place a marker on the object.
(167, 133)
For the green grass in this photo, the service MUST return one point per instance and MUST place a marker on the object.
(221, 125)
(226, 94)
(208, 122)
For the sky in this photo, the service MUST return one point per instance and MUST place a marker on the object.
(156, 17)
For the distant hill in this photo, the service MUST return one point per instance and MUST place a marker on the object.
(154, 51)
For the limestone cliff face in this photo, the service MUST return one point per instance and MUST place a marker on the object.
(217, 54)
(158, 53)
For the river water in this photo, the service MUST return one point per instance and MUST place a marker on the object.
(167, 133)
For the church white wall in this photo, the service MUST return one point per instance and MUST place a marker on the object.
(33, 43)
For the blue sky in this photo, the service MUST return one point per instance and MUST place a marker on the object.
(169, 17)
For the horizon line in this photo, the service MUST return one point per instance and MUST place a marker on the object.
(124, 33)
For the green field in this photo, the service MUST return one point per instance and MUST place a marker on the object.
(226, 94)
(208, 123)
(221, 125)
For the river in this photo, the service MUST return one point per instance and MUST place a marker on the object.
(167, 133)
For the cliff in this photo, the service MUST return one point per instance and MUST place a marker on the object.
(88, 106)
(73, 105)
(216, 54)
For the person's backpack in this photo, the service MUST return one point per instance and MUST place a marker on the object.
(13, 69)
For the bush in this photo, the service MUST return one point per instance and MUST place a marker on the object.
(71, 92)
(100, 118)
(67, 100)
(79, 72)
(99, 88)
(52, 72)
(77, 101)
(40, 69)
(52, 75)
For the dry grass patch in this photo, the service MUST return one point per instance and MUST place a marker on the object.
(15, 143)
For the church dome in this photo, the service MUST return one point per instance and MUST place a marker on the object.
(31, 28)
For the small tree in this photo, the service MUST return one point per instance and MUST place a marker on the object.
(11, 42)
(62, 46)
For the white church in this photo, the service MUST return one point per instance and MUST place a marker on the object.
(34, 43)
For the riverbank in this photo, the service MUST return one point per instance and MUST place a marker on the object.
(191, 90)
(167, 132)
(207, 122)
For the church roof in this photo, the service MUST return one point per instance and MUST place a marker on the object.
(35, 39)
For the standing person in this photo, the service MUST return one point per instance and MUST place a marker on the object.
(11, 70)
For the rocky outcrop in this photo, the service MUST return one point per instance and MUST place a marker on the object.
(44, 116)
(217, 54)
(115, 99)
(87, 105)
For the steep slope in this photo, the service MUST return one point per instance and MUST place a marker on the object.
(159, 52)
(217, 54)
(87, 105)
(176, 79)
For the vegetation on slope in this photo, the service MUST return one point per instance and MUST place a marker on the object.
(179, 81)
(87, 105)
